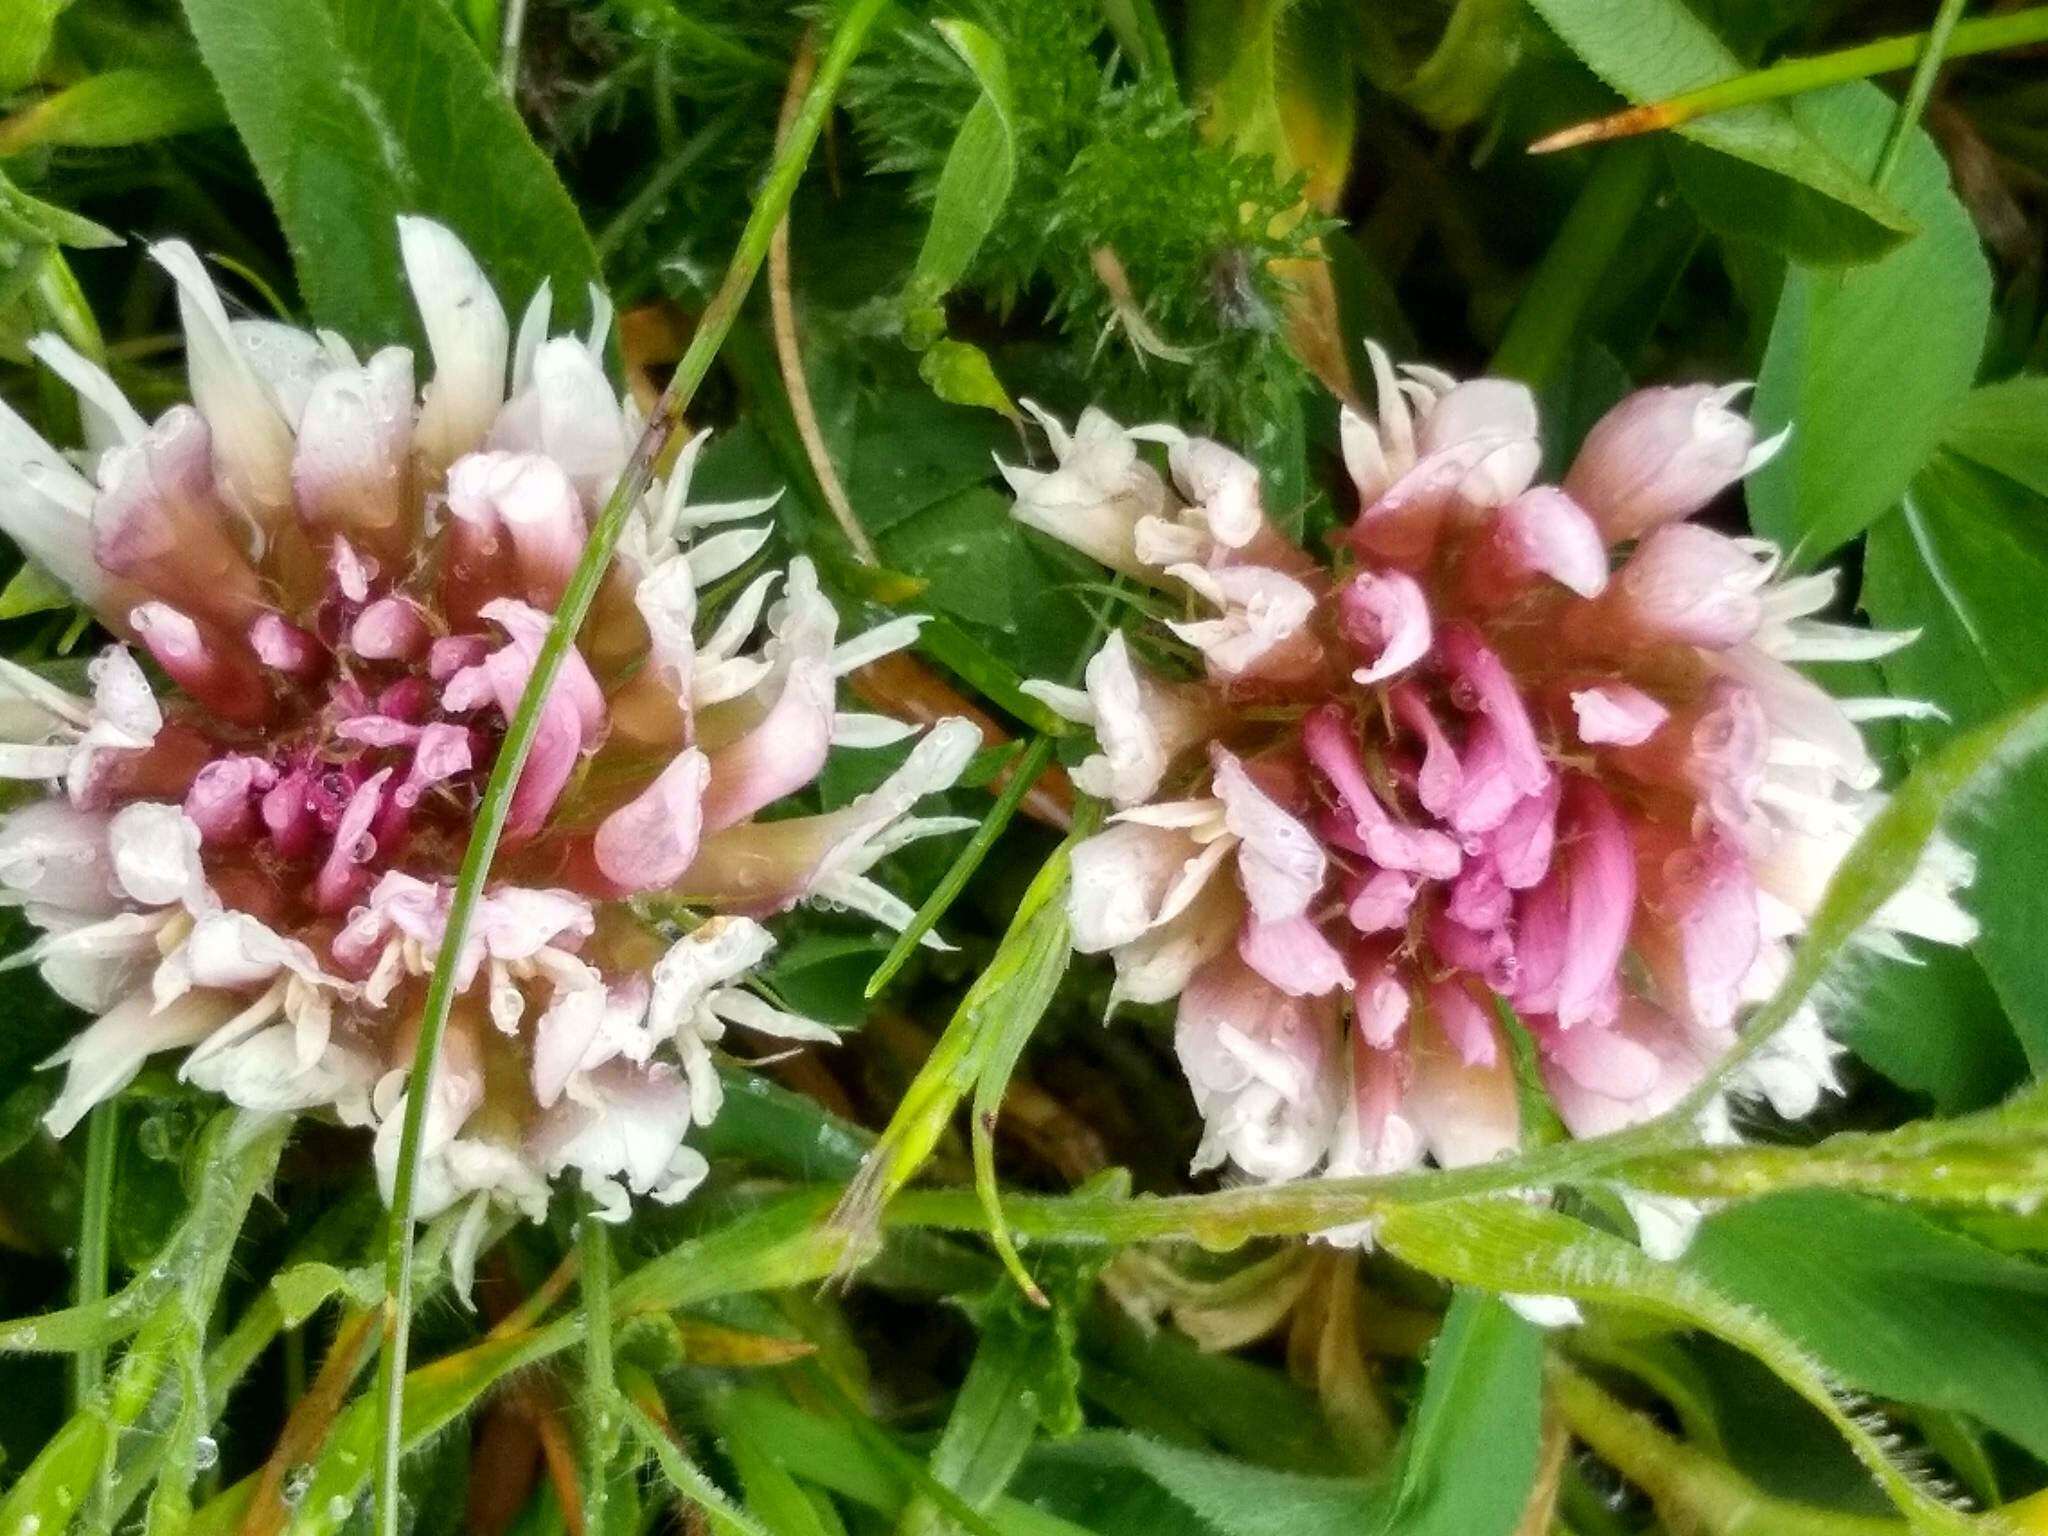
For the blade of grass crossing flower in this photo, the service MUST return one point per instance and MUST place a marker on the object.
(1003, 1005)
(1795, 77)
(1520, 1249)
(95, 1213)
(495, 805)
(1024, 773)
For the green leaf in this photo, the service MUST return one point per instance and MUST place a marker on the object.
(960, 374)
(117, 107)
(1963, 561)
(1865, 365)
(784, 1131)
(1650, 49)
(1023, 1375)
(983, 570)
(975, 181)
(33, 590)
(1470, 1458)
(1230, 1497)
(1936, 1027)
(1510, 1246)
(236, 1154)
(1738, 201)
(2005, 427)
(356, 111)
(25, 39)
(1892, 1304)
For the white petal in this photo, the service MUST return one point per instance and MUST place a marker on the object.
(723, 553)
(882, 640)
(156, 855)
(109, 418)
(745, 1009)
(466, 331)
(853, 729)
(104, 1057)
(252, 441)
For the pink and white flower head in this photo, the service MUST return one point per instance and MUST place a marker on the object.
(1525, 745)
(347, 582)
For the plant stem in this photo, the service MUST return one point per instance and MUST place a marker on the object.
(789, 352)
(1552, 309)
(1691, 1490)
(1940, 37)
(600, 1386)
(102, 1143)
(1793, 77)
(686, 1478)
(581, 591)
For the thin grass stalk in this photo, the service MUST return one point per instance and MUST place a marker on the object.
(662, 427)
(95, 1217)
(1940, 37)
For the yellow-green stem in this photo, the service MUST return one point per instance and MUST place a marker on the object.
(1795, 77)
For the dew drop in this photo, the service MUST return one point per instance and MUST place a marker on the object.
(205, 1452)
(153, 1136)
(296, 1485)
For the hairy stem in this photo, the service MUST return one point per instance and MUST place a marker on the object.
(1692, 1491)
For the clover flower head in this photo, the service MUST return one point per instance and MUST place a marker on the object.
(1517, 743)
(347, 583)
